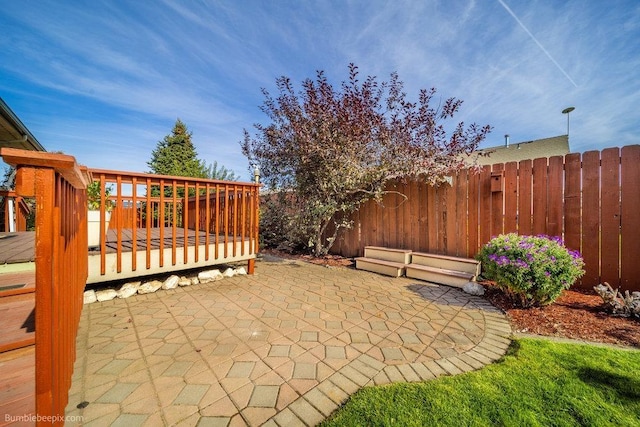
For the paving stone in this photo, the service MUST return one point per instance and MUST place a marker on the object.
(344, 383)
(191, 394)
(264, 396)
(287, 418)
(279, 351)
(115, 367)
(460, 364)
(422, 371)
(354, 375)
(364, 369)
(333, 392)
(304, 371)
(117, 393)
(449, 367)
(381, 378)
(310, 336)
(241, 370)
(394, 374)
(392, 353)
(306, 412)
(320, 401)
(127, 420)
(408, 373)
(213, 422)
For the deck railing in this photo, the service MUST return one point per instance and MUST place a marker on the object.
(59, 187)
(165, 222)
(14, 212)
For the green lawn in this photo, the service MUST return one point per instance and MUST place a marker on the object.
(538, 383)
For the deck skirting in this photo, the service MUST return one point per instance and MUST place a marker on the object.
(242, 253)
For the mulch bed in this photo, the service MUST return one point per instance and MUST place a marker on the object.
(576, 314)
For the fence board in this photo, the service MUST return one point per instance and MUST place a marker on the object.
(473, 208)
(555, 198)
(497, 200)
(451, 231)
(572, 201)
(432, 244)
(461, 214)
(591, 217)
(540, 172)
(630, 208)
(485, 205)
(423, 200)
(610, 216)
(414, 214)
(386, 220)
(525, 207)
(511, 197)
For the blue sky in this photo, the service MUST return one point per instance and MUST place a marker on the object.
(106, 80)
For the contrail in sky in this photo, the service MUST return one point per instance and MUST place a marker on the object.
(537, 42)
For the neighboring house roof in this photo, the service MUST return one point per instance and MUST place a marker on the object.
(13, 133)
(514, 152)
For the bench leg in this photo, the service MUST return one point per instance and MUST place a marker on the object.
(251, 266)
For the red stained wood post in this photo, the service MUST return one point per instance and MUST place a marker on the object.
(59, 187)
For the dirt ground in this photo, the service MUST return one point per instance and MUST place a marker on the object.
(576, 314)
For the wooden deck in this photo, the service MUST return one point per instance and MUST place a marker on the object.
(17, 350)
(17, 376)
(17, 252)
(140, 256)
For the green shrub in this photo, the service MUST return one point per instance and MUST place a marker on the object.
(533, 270)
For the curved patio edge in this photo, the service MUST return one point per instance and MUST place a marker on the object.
(320, 402)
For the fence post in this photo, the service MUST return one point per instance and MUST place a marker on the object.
(59, 186)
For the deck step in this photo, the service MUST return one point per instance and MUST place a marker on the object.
(402, 256)
(466, 265)
(388, 268)
(439, 275)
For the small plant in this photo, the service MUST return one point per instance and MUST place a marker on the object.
(624, 305)
(93, 196)
(532, 270)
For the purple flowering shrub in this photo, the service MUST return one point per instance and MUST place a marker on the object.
(532, 270)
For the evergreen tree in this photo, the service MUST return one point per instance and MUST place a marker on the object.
(176, 155)
(219, 172)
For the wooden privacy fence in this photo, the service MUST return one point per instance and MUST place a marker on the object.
(59, 187)
(591, 200)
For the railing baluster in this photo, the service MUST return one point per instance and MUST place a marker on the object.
(162, 223)
(134, 223)
(207, 218)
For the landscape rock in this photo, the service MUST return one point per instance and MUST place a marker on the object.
(194, 280)
(128, 289)
(229, 272)
(209, 276)
(184, 282)
(106, 294)
(473, 288)
(241, 271)
(149, 287)
(90, 296)
(171, 282)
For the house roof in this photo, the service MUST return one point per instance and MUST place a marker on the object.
(514, 152)
(13, 133)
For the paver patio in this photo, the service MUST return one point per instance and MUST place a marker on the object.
(286, 346)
